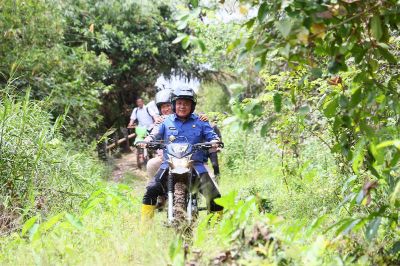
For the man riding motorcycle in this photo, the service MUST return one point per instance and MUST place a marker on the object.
(164, 105)
(187, 125)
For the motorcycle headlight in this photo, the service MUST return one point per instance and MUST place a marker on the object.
(179, 163)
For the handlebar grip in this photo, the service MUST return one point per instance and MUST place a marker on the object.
(208, 145)
(150, 144)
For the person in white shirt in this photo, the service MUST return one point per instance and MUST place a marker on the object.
(144, 117)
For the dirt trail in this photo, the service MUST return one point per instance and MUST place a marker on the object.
(127, 165)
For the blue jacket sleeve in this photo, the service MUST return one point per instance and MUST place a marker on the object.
(209, 133)
(159, 133)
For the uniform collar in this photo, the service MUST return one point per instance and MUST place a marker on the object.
(192, 116)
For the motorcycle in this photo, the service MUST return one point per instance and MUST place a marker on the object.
(142, 155)
(182, 182)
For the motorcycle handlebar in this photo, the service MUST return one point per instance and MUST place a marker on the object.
(151, 144)
(160, 145)
(208, 145)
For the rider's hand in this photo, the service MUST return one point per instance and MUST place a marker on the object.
(148, 139)
(203, 117)
(142, 145)
(131, 125)
(215, 145)
(159, 119)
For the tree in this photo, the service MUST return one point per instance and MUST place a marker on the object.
(137, 40)
(351, 47)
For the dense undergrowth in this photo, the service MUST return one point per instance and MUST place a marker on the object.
(280, 219)
(270, 218)
(41, 171)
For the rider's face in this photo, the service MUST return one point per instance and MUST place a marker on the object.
(166, 109)
(183, 107)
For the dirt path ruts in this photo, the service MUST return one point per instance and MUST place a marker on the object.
(127, 164)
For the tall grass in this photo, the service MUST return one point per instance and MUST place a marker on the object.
(105, 231)
(39, 171)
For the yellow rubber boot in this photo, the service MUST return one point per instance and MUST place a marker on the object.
(147, 212)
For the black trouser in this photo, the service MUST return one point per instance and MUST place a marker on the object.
(158, 187)
(214, 161)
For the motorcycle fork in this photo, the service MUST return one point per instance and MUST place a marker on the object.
(170, 187)
(189, 210)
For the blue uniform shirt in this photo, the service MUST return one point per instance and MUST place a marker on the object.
(192, 129)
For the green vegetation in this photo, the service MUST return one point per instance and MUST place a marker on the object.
(41, 172)
(306, 94)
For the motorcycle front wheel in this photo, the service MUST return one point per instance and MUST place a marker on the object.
(179, 211)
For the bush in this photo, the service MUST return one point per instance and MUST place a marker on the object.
(39, 170)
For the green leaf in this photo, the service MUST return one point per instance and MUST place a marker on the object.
(198, 43)
(264, 130)
(74, 221)
(267, 125)
(316, 72)
(360, 196)
(34, 232)
(318, 222)
(376, 27)
(356, 98)
(194, 3)
(250, 23)
(372, 228)
(277, 102)
(368, 130)
(285, 51)
(358, 156)
(343, 101)
(250, 44)
(349, 181)
(181, 24)
(262, 12)
(386, 54)
(186, 42)
(227, 201)
(349, 227)
(343, 225)
(384, 144)
(395, 196)
(179, 38)
(284, 27)
(358, 53)
(330, 107)
(233, 45)
(395, 248)
(176, 252)
(28, 224)
(51, 222)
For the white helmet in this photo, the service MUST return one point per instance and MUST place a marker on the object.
(163, 96)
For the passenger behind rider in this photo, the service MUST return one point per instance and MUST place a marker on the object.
(164, 105)
(188, 125)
